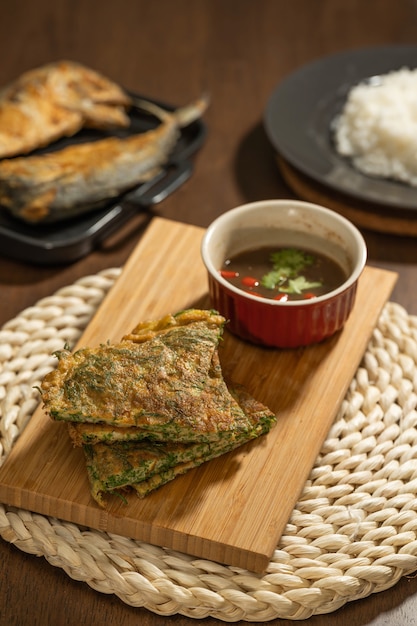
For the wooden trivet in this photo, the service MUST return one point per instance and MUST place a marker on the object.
(352, 533)
(263, 478)
(365, 215)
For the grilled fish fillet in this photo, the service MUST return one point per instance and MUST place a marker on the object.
(54, 101)
(79, 177)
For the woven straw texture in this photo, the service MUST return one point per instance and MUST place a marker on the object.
(352, 533)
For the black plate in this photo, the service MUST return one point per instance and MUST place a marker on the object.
(69, 240)
(301, 110)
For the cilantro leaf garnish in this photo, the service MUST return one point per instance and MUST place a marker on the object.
(295, 260)
(298, 285)
(274, 278)
(288, 264)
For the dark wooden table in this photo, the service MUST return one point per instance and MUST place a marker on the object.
(173, 50)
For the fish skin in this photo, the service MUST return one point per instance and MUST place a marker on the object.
(60, 184)
(57, 100)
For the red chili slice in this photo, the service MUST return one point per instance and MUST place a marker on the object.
(250, 281)
(228, 274)
(283, 297)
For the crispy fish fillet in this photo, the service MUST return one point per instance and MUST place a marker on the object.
(54, 101)
(145, 466)
(81, 177)
(170, 385)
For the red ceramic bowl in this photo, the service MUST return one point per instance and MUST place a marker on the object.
(283, 223)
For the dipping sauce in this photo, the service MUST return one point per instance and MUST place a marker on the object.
(283, 273)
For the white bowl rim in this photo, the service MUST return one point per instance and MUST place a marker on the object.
(347, 284)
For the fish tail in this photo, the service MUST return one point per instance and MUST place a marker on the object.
(191, 112)
(183, 116)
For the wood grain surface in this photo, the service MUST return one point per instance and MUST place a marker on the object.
(263, 478)
(364, 215)
(173, 50)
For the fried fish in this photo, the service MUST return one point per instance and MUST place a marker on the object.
(57, 100)
(78, 178)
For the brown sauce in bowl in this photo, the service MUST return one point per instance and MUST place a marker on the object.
(283, 273)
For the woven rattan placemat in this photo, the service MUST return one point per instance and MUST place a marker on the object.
(352, 533)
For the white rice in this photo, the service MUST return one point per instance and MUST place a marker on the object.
(377, 128)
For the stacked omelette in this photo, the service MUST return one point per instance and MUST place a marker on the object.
(152, 406)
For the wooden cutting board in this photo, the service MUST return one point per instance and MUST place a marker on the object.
(232, 509)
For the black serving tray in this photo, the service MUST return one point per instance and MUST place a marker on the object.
(68, 240)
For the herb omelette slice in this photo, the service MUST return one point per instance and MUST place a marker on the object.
(164, 378)
(92, 434)
(262, 419)
(146, 465)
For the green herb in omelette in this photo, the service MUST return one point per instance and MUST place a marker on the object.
(153, 405)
